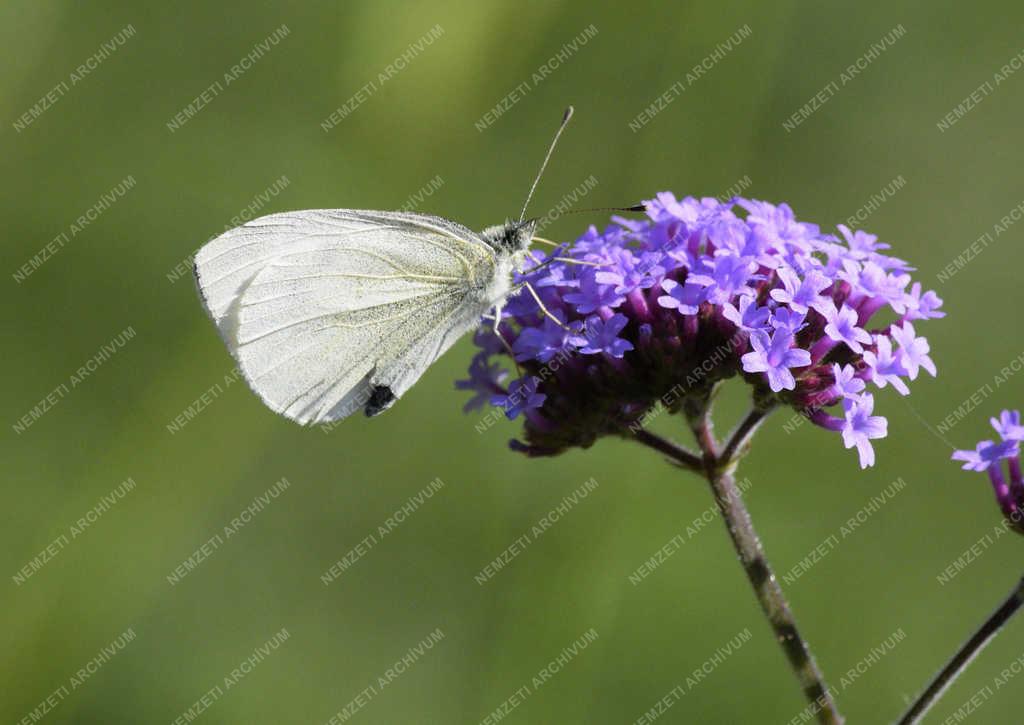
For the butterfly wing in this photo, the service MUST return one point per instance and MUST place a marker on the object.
(330, 311)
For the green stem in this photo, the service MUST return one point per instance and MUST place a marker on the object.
(770, 596)
(676, 453)
(717, 467)
(738, 442)
(963, 657)
(697, 410)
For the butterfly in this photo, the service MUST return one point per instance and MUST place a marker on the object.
(331, 311)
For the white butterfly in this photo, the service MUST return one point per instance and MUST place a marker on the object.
(330, 311)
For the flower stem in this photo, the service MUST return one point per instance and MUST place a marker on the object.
(769, 594)
(698, 414)
(677, 453)
(717, 468)
(740, 438)
(963, 657)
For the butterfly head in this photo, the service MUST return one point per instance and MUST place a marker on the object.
(510, 238)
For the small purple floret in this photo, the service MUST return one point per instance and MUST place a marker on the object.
(749, 316)
(913, 350)
(842, 327)
(847, 384)
(886, 368)
(775, 356)
(1008, 426)
(683, 297)
(988, 456)
(861, 427)
(602, 336)
(985, 454)
(522, 395)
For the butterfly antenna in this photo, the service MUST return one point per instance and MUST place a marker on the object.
(565, 120)
(635, 207)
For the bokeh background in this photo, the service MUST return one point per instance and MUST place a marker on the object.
(117, 272)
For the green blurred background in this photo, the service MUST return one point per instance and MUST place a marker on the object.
(414, 127)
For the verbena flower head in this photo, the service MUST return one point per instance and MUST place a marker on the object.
(701, 290)
(989, 456)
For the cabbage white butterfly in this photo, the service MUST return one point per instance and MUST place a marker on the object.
(331, 310)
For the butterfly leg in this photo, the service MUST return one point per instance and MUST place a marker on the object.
(545, 310)
(538, 266)
(581, 262)
(497, 332)
(563, 260)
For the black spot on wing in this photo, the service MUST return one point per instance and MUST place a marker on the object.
(381, 398)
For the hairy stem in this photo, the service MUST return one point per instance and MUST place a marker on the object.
(698, 414)
(736, 446)
(677, 453)
(769, 594)
(963, 657)
(717, 467)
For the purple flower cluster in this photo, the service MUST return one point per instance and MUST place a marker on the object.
(700, 291)
(989, 456)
